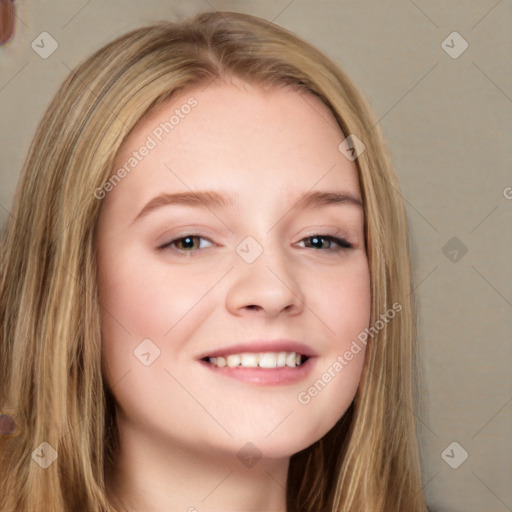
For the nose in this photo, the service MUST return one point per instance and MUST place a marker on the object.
(267, 286)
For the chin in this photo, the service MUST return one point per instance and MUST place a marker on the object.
(278, 445)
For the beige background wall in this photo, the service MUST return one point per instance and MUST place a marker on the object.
(448, 124)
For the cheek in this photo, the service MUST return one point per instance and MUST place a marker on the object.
(139, 300)
(344, 308)
(133, 307)
(342, 301)
(146, 299)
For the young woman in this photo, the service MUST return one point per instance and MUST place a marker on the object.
(206, 287)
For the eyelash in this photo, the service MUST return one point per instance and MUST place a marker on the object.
(342, 243)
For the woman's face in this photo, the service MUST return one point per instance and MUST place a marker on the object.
(190, 288)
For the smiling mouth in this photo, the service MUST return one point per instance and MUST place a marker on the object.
(267, 360)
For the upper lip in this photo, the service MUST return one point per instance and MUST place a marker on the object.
(261, 346)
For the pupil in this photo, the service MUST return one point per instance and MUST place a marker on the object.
(316, 240)
(188, 240)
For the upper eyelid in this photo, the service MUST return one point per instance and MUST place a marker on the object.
(325, 230)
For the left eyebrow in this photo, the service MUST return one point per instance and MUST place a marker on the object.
(214, 199)
(319, 198)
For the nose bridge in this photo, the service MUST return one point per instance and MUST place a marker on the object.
(264, 277)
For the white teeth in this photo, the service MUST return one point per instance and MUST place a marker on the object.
(291, 359)
(268, 360)
(249, 360)
(233, 360)
(263, 360)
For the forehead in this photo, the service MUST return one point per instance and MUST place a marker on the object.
(236, 137)
(213, 111)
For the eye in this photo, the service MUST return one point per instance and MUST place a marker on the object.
(316, 241)
(187, 243)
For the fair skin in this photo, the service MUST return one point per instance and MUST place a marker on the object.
(182, 423)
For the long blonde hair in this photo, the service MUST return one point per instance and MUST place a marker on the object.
(50, 340)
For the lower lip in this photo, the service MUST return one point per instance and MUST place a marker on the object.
(265, 376)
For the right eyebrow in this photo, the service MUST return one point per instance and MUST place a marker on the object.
(199, 199)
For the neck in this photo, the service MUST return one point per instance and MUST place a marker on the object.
(153, 475)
